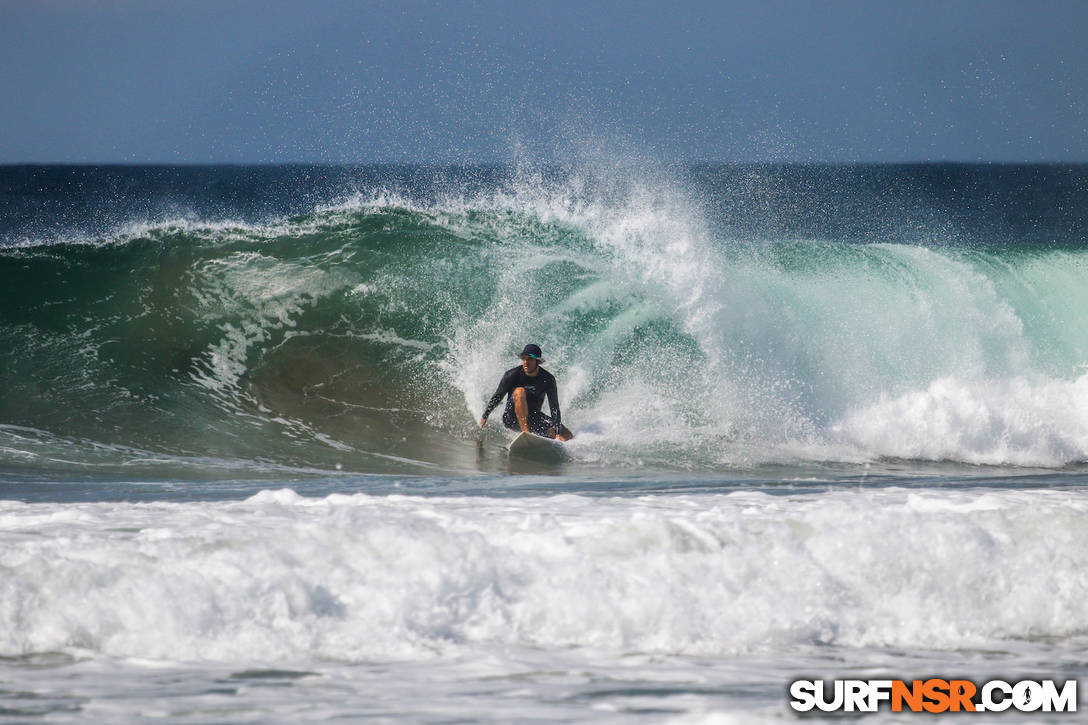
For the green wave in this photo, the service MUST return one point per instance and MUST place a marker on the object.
(367, 337)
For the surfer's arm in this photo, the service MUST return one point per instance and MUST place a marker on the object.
(500, 393)
(553, 405)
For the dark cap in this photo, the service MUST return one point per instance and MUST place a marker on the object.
(532, 351)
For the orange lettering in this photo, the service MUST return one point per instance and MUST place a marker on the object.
(911, 695)
(961, 692)
(936, 691)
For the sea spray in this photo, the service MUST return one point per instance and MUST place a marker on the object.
(241, 476)
(366, 333)
(284, 578)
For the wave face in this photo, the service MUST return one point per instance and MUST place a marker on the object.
(695, 318)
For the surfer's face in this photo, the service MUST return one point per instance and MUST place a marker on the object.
(529, 364)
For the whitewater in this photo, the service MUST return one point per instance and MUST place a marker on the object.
(830, 422)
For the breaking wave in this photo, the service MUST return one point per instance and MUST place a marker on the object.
(366, 334)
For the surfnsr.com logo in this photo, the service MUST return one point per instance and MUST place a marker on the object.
(933, 695)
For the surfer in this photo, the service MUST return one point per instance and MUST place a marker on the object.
(526, 387)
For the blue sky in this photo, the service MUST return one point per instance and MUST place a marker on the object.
(469, 82)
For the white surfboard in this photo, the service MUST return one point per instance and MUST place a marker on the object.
(537, 447)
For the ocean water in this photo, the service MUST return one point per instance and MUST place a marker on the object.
(831, 421)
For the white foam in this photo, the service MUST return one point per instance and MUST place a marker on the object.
(855, 354)
(1003, 422)
(824, 352)
(281, 577)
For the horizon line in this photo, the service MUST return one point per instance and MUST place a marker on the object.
(553, 163)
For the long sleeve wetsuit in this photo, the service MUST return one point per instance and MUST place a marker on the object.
(536, 387)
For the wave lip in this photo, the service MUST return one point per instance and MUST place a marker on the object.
(372, 328)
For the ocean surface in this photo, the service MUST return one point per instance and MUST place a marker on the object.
(831, 421)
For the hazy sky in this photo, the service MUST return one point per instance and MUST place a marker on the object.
(322, 80)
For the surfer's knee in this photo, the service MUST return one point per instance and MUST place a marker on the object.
(519, 394)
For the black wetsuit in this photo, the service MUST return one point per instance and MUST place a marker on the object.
(536, 388)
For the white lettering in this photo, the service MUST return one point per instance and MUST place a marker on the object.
(879, 691)
(989, 703)
(1027, 696)
(1065, 701)
(803, 693)
(821, 697)
(993, 696)
(856, 695)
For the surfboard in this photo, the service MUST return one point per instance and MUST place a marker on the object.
(527, 445)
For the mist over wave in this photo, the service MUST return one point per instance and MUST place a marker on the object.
(365, 331)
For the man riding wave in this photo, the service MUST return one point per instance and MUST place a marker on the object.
(525, 388)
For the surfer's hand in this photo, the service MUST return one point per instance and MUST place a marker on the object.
(483, 422)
